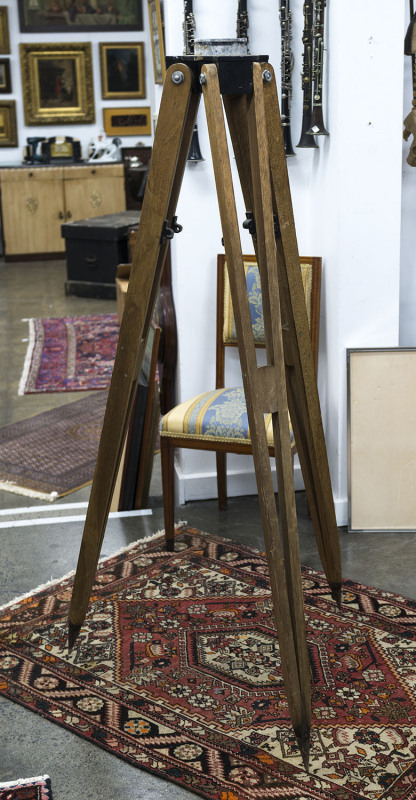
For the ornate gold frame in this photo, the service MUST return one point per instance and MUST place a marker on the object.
(8, 126)
(156, 35)
(4, 31)
(127, 121)
(106, 92)
(37, 112)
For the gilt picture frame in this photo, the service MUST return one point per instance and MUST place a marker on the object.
(57, 83)
(4, 30)
(8, 125)
(156, 35)
(128, 121)
(122, 71)
(5, 77)
(46, 16)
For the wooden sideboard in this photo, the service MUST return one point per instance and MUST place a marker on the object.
(36, 201)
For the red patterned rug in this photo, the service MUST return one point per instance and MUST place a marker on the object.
(27, 789)
(177, 671)
(52, 454)
(70, 354)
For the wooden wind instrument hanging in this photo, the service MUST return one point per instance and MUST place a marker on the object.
(317, 127)
(306, 138)
(286, 68)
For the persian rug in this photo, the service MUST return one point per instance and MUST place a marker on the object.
(53, 453)
(176, 670)
(70, 354)
(27, 789)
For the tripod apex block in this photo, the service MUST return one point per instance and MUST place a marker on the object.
(235, 73)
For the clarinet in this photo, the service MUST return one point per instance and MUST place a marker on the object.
(242, 20)
(306, 139)
(317, 123)
(286, 66)
(189, 27)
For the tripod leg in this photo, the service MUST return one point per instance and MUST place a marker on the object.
(278, 404)
(301, 381)
(258, 383)
(173, 135)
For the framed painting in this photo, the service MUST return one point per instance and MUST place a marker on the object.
(127, 121)
(5, 79)
(4, 30)
(76, 16)
(156, 35)
(8, 126)
(381, 440)
(57, 83)
(122, 71)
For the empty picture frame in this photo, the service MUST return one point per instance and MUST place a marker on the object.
(382, 439)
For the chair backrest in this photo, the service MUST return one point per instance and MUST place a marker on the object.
(226, 334)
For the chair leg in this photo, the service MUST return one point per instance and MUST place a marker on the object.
(166, 457)
(222, 480)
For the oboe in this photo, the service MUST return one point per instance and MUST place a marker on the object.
(286, 73)
(317, 123)
(242, 20)
(306, 139)
(189, 27)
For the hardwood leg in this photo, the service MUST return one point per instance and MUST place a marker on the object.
(222, 480)
(301, 380)
(168, 482)
(177, 115)
(259, 384)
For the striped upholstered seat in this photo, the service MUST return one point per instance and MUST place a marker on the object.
(219, 415)
(217, 419)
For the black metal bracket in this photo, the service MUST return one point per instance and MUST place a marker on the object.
(250, 224)
(235, 73)
(169, 232)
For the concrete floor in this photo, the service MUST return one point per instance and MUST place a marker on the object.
(31, 555)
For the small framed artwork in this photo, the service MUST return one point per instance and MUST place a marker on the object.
(75, 16)
(122, 71)
(8, 126)
(57, 83)
(156, 35)
(381, 439)
(4, 30)
(5, 79)
(127, 121)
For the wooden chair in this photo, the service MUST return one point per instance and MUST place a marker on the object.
(217, 420)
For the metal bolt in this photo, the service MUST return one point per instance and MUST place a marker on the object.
(202, 80)
(267, 75)
(178, 77)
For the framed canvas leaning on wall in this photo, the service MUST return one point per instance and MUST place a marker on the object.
(382, 439)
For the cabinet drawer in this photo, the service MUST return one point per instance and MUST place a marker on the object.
(31, 173)
(104, 171)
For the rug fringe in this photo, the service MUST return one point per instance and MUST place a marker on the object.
(12, 784)
(70, 574)
(28, 357)
(6, 486)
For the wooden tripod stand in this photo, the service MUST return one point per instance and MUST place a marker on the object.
(248, 89)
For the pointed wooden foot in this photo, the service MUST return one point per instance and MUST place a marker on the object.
(336, 592)
(303, 739)
(73, 631)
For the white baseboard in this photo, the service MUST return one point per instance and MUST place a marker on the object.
(203, 486)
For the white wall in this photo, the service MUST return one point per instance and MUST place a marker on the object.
(82, 132)
(347, 199)
(347, 203)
